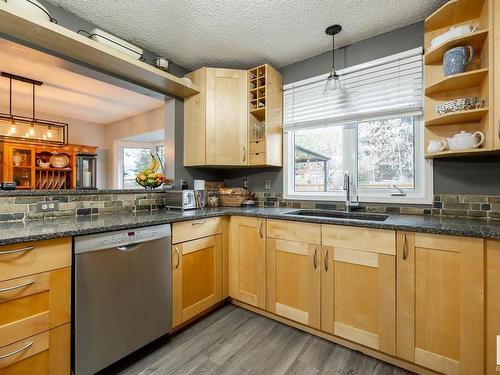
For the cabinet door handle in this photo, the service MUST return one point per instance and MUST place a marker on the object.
(498, 128)
(260, 229)
(326, 261)
(199, 222)
(30, 282)
(405, 247)
(315, 258)
(178, 257)
(17, 351)
(22, 249)
(244, 154)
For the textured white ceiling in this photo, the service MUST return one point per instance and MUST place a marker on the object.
(243, 33)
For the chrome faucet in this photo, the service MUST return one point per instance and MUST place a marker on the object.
(347, 187)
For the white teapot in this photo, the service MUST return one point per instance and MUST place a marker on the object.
(436, 145)
(465, 141)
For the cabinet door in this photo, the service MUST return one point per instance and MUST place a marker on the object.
(247, 260)
(197, 277)
(293, 281)
(495, 90)
(358, 297)
(226, 117)
(441, 302)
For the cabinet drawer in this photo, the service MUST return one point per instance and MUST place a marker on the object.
(33, 304)
(44, 354)
(374, 240)
(191, 230)
(257, 147)
(294, 231)
(258, 159)
(34, 257)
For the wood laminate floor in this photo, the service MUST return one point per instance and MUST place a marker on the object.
(232, 340)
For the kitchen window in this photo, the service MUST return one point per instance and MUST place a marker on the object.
(373, 131)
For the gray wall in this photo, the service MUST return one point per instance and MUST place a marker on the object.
(379, 46)
(473, 175)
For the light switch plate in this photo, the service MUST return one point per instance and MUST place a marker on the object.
(47, 206)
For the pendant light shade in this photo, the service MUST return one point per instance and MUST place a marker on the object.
(333, 86)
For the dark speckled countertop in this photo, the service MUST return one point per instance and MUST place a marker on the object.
(38, 229)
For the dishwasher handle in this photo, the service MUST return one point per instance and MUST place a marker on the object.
(130, 247)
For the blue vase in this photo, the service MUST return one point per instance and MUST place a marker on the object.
(455, 60)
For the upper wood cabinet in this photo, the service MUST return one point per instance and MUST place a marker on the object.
(215, 120)
(247, 260)
(236, 119)
(440, 296)
(294, 271)
(358, 285)
(265, 120)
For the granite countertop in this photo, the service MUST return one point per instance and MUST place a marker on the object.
(39, 229)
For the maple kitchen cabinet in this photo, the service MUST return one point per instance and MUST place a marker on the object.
(35, 307)
(358, 285)
(196, 267)
(293, 271)
(440, 297)
(215, 120)
(247, 260)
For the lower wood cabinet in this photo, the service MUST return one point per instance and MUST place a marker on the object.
(293, 281)
(196, 277)
(440, 297)
(35, 307)
(47, 353)
(358, 286)
(247, 260)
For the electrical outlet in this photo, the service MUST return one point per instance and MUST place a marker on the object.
(47, 206)
(268, 184)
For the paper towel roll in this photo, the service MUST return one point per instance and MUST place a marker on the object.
(199, 184)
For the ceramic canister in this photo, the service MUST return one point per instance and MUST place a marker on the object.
(456, 60)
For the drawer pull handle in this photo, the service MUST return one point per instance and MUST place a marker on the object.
(198, 223)
(405, 247)
(22, 249)
(30, 282)
(17, 351)
(315, 258)
(178, 257)
(326, 261)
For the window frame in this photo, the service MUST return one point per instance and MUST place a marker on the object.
(422, 194)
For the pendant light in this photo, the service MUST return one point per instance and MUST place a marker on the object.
(333, 85)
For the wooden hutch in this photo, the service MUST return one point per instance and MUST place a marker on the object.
(20, 164)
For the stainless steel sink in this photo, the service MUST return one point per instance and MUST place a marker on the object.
(338, 215)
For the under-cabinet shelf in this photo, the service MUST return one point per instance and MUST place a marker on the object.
(465, 80)
(447, 154)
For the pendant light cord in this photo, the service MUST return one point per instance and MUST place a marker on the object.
(10, 97)
(33, 102)
(333, 52)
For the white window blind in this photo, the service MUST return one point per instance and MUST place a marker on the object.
(384, 87)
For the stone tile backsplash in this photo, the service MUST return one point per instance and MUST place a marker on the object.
(24, 207)
(75, 204)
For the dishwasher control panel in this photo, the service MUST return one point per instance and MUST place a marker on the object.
(106, 240)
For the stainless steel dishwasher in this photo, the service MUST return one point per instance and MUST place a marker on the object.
(122, 294)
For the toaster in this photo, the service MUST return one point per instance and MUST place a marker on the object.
(180, 199)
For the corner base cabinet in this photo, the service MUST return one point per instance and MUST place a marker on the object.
(441, 302)
(196, 268)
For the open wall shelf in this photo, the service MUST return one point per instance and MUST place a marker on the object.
(476, 81)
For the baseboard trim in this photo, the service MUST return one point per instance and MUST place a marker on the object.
(338, 340)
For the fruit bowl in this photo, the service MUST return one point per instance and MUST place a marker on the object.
(150, 178)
